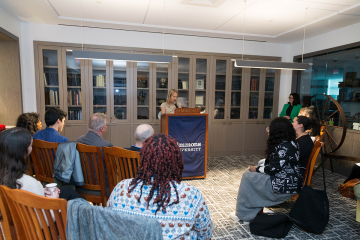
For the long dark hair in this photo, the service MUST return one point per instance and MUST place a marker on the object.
(296, 99)
(14, 145)
(29, 121)
(161, 165)
(280, 130)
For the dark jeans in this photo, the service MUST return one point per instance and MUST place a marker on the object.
(68, 193)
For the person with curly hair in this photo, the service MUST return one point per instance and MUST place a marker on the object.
(275, 182)
(157, 192)
(30, 121)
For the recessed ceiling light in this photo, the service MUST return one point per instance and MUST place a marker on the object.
(271, 20)
(99, 1)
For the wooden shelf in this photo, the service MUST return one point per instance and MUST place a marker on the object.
(200, 90)
(99, 87)
(183, 72)
(143, 106)
(161, 89)
(52, 105)
(50, 66)
(201, 73)
(74, 106)
(51, 86)
(73, 86)
(120, 105)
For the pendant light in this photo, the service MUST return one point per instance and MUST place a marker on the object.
(270, 64)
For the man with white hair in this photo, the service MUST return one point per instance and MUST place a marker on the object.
(97, 127)
(142, 132)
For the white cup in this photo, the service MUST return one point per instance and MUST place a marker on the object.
(51, 187)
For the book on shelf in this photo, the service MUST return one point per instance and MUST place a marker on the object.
(45, 82)
(253, 84)
(100, 81)
(75, 115)
(74, 97)
(51, 79)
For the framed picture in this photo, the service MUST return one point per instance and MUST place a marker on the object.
(199, 100)
(199, 83)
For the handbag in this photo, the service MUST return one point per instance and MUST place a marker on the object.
(347, 189)
(270, 225)
(310, 212)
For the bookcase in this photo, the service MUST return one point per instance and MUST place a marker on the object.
(240, 102)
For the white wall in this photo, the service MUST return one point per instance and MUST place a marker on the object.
(342, 36)
(9, 23)
(52, 33)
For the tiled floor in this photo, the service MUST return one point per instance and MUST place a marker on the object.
(220, 190)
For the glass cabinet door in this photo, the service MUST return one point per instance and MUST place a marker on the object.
(220, 88)
(162, 83)
(269, 93)
(51, 78)
(200, 83)
(183, 81)
(120, 90)
(99, 86)
(235, 92)
(254, 93)
(73, 80)
(143, 87)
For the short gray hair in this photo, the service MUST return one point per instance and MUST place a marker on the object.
(96, 121)
(142, 132)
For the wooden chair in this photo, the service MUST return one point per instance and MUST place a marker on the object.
(32, 216)
(311, 164)
(120, 164)
(6, 221)
(43, 156)
(94, 174)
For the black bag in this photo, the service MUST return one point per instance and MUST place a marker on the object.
(270, 225)
(310, 212)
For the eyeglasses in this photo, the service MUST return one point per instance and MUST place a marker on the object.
(291, 98)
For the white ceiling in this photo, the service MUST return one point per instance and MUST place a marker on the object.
(279, 21)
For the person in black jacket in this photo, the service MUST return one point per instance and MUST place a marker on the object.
(275, 182)
(301, 125)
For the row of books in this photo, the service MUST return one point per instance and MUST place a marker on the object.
(52, 97)
(74, 97)
(254, 101)
(269, 84)
(75, 115)
(74, 80)
(51, 79)
(100, 81)
(254, 85)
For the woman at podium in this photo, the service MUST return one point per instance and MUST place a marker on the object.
(171, 102)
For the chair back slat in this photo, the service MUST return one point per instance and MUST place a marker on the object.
(43, 157)
(33, 214)
(311, 162)
(93, 171)
(120, 164)
(6, 222)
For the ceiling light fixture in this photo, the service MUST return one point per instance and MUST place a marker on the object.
(121, 56)
(269, 64)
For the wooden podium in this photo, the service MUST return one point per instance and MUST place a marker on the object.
(190, 129)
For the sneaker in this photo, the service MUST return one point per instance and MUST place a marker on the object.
(267, 210)
(236, 219)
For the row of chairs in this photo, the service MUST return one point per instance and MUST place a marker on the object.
(120, 164)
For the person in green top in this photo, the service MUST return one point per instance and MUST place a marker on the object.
(292, 108)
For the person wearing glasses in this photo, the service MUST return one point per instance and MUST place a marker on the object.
(292, 108)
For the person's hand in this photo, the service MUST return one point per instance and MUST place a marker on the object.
(287, 117)
(54, 195)
(252, 169)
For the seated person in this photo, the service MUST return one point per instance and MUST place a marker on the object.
(97, 127)
(158, 193)
(301, 124)
(142, 132)
(55, 120)
(15, 147)
(310, 113)
(30, 121)
(275, 182)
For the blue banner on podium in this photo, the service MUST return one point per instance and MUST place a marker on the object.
(190, 133)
